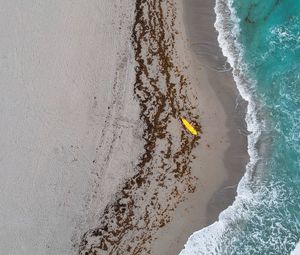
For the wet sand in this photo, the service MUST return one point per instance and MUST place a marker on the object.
(208, 54)
(220, 166)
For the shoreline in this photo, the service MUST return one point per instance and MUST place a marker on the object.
(208, 54)
(224, 108)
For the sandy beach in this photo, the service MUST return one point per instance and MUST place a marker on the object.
(94, 157)
(222, 153)
(69, 123)
(182, 183)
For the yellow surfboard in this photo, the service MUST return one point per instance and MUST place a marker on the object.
(189, 127)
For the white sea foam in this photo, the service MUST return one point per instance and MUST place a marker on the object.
(210, 240)
(297, 250)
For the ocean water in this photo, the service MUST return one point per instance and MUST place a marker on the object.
(261, 40)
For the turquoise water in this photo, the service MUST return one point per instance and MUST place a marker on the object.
(270, 36)
(261, 39)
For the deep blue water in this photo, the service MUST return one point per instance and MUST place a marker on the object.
(261, 39)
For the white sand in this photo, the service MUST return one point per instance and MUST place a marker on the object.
(63, 63)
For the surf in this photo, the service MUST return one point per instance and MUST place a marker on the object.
(244, 227)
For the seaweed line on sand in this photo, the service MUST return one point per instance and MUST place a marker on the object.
(146, 201)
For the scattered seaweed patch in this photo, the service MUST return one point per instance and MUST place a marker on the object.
(146, 201)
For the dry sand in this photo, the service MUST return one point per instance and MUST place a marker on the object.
(69, 126)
